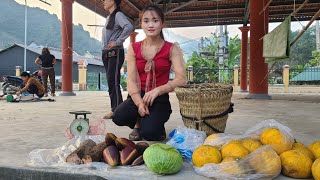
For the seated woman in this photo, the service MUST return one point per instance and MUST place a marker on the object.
(147, 107)
(31, 85)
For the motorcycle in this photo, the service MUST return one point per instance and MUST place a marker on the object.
(12, 83)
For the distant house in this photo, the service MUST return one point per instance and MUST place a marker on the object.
(14, 56)
(310, 75)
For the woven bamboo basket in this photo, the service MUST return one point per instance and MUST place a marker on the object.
(205, 106)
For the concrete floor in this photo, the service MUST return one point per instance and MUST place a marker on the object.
(41, 125)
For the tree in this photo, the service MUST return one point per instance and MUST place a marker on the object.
(205, 63)
(315, 61)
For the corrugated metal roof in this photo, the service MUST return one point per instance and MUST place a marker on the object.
(57, 53)
(309, 74)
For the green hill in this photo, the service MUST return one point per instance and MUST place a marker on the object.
(43, 28)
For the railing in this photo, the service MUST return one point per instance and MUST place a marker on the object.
(210, 75)
(297, 76)
(96, 81)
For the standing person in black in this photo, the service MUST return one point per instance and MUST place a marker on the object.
(47, 61)
(118, 28)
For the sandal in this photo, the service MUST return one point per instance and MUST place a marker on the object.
(135, 135)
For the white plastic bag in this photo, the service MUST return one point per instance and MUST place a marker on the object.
(263, 163)
(252, 133)
(55, 158)
(186, 140)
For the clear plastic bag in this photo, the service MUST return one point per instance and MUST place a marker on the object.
(186, 140)
(253, 133)
(262, 163)
(55, 158)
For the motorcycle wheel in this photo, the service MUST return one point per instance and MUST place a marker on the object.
(9, 89)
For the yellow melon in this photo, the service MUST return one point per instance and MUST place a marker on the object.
(231, 166)
(234, 148)
(231, 159)
(205, 154)
(210, 138)
(297, 145)
(276, 139)
(265, 161)
(300, 147)
(251, 144)
(315, 149)
(296, 164)
(316, 169)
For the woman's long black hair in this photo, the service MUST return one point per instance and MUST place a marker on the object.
(112, 16)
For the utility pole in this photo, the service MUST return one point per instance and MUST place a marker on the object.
(222, 45)
(25, 37)
(317, 36)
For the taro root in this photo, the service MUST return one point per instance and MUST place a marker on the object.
(111, 155)
(95, 153)
(122, 143)
(110, 139)
(141, 147)
(138, 161)
(73, 158)
(128, 155)
(82, 150)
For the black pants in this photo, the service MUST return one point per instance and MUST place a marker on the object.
(152, 125)
(113, 61)
(49, 73)
(33, 89)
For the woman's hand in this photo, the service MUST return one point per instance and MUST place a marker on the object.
(150, 96)
(18, 93)
(143, 109)
(112, 44)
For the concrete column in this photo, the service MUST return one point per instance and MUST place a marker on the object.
(286, 78)
(66, 28)
(244, 59)
(133, 37)
(18, 71)
(258, 84)
(236, 78)
(190, 73)
(82, 69)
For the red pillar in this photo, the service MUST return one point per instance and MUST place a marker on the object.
(244, 59)
(258, 84)
(133, 37)
(66, 28)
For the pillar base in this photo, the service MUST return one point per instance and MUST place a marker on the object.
(259, 96)
(67, 93)
(243, 91)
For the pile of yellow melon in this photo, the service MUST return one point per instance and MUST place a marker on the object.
(244, 157)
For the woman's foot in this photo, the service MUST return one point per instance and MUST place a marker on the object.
(45, 94)
(135, 135)
(53, 94)
(108, 116)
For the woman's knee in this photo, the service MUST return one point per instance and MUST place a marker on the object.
(122, 118)
(150, 134)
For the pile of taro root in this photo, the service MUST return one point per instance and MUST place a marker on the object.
(113, 151)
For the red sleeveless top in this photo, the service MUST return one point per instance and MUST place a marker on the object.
(162, 66)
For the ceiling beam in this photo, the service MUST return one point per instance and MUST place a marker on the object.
(134, 5)
(181, 6)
